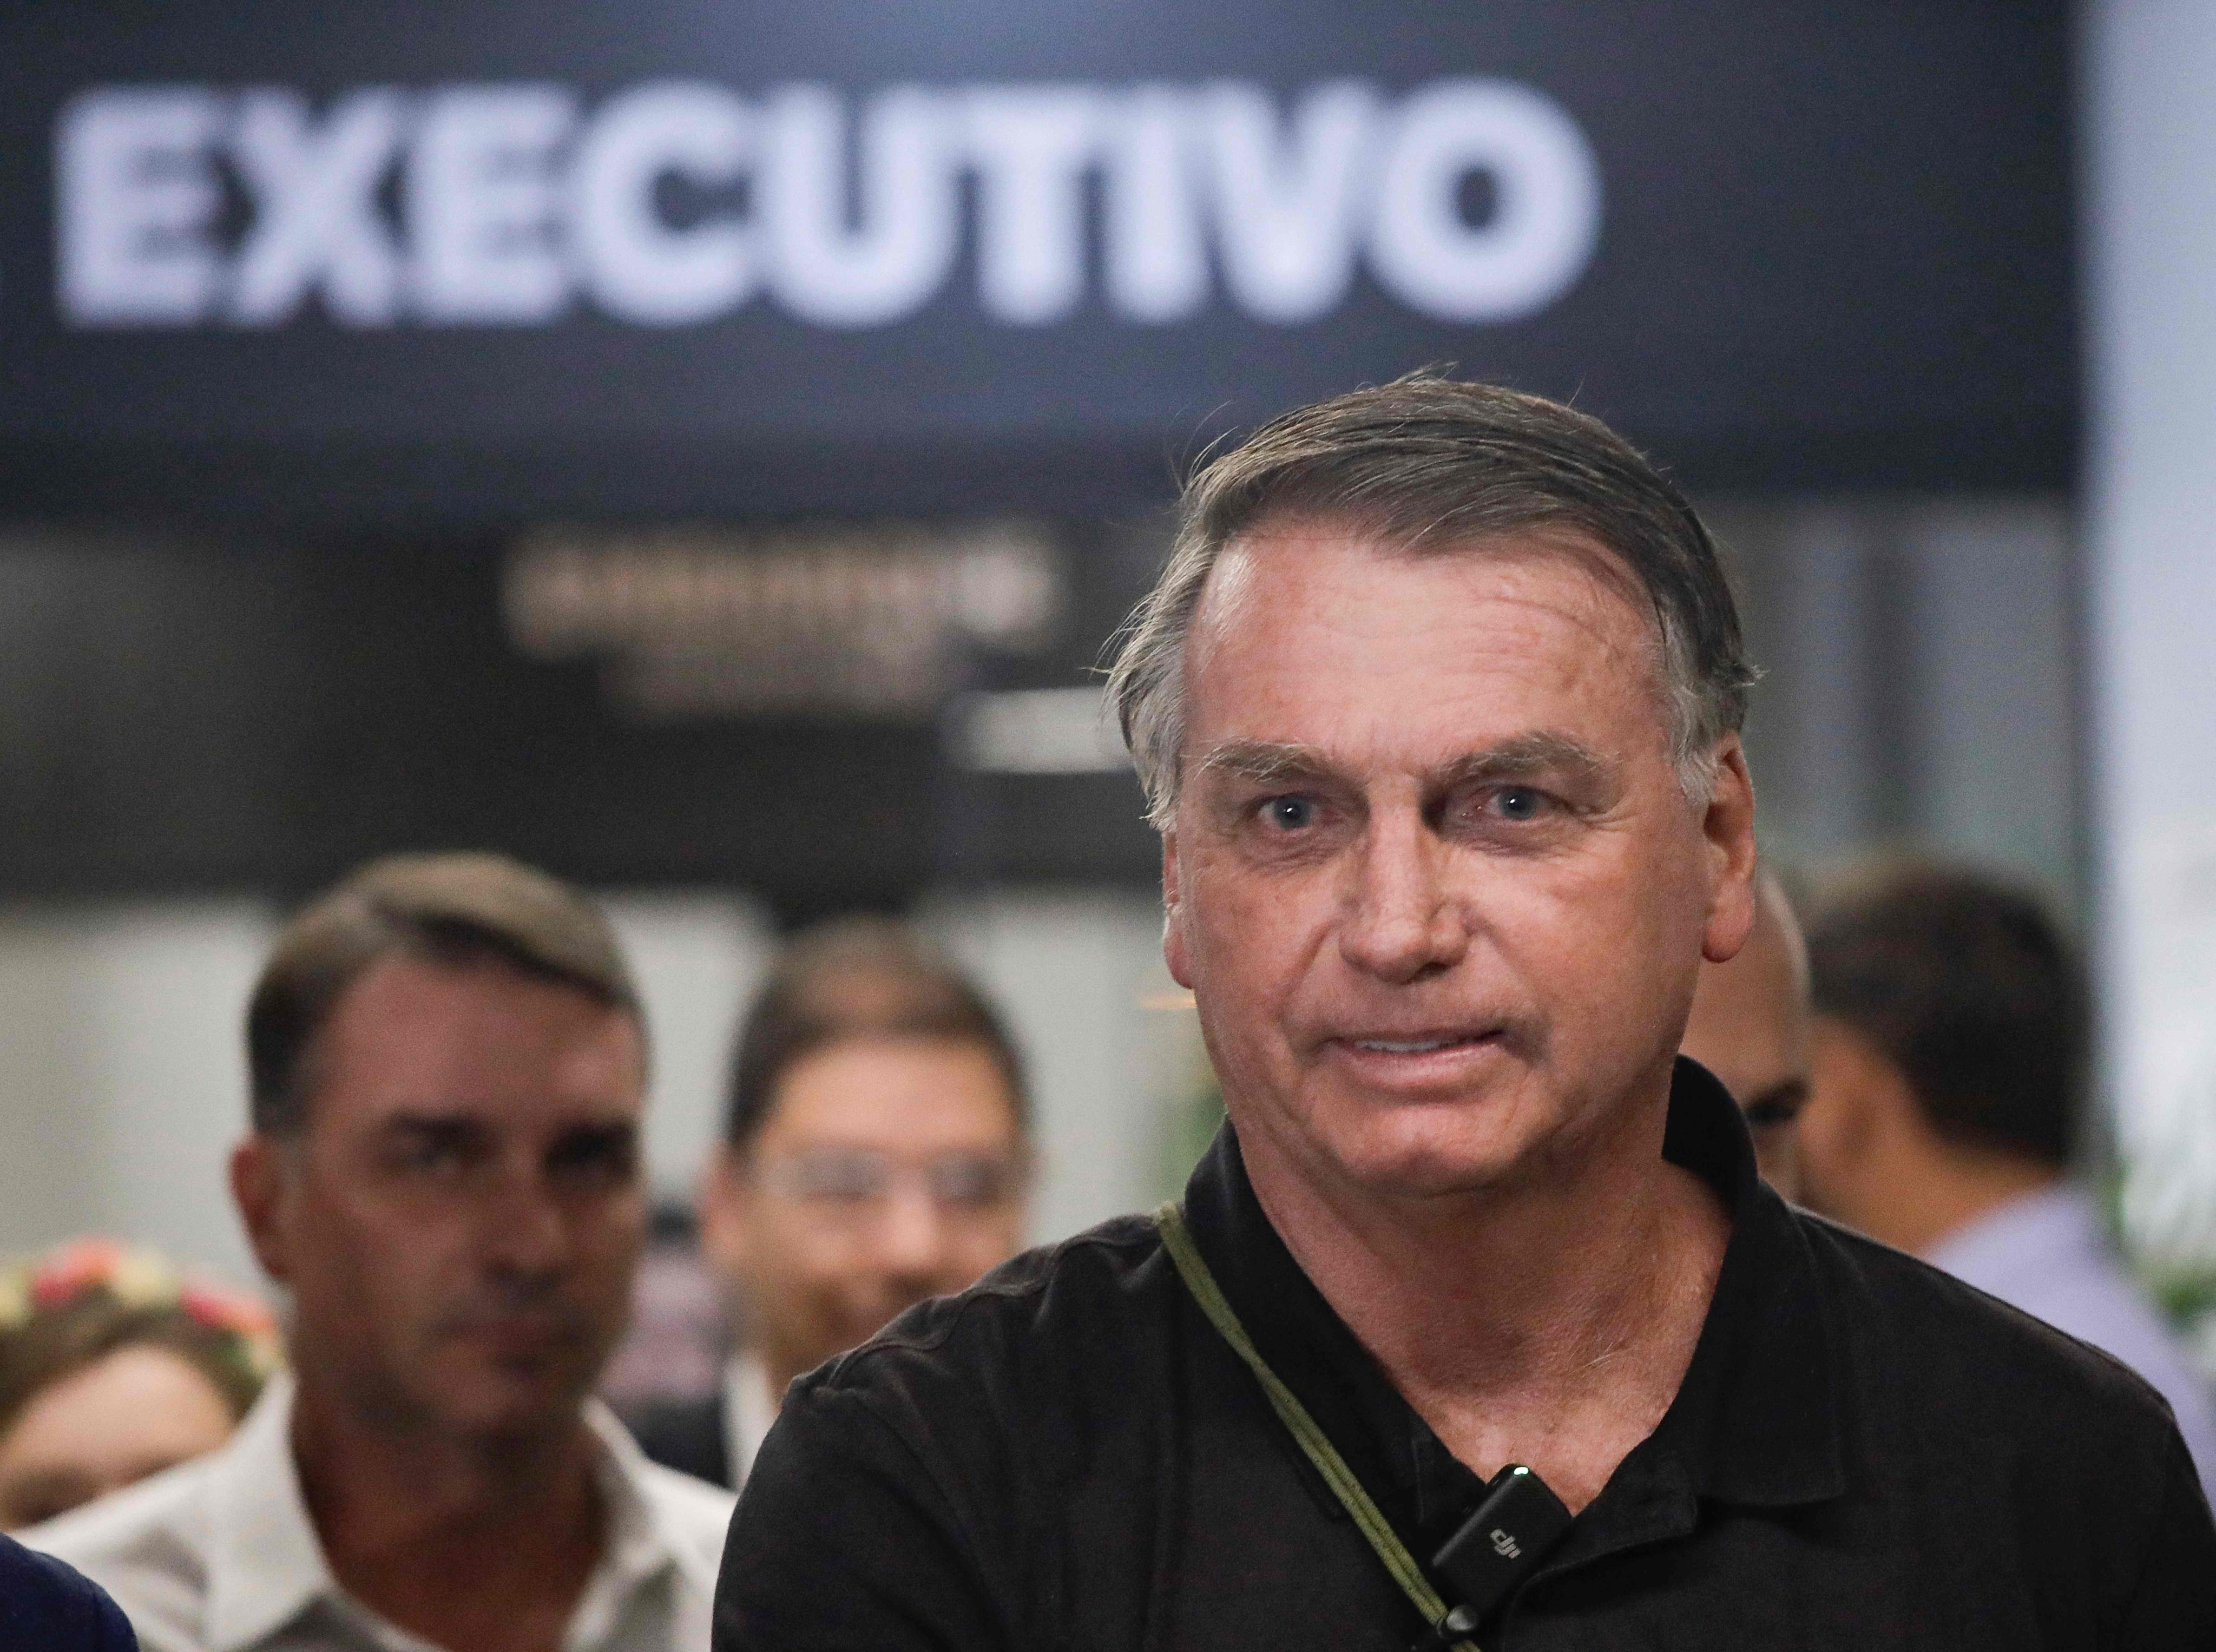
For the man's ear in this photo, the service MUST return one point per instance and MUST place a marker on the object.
(1173, 941)
(1728, 830)
(261, 1178)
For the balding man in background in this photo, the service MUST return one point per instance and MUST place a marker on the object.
(1750, 1026)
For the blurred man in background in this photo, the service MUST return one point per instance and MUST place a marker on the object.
(1750, 1028)
(876, 1153)
(448, 1062)
(1950, 1063)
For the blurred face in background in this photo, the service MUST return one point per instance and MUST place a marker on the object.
(134, 1411)
(461, 1212)
(887, 1169)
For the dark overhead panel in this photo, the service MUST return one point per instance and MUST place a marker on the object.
(476, 264)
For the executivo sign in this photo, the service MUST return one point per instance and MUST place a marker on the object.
(480, 261)
(678, 202)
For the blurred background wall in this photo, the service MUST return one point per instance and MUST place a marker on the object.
(2150, 499)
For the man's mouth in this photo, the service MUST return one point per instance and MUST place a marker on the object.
(519, 1328)
(1423, 1046)
(1414, 1044)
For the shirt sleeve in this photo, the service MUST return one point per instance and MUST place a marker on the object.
(2175, 1603)
(842, 1539)
(51, 1607)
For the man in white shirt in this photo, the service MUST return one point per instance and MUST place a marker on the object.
(1951, 1040)
(449, 1064)
(876, 1152)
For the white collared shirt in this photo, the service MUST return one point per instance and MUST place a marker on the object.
(749, 1408)
(219, 1554)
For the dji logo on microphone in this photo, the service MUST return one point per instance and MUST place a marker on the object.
(1504, 1545)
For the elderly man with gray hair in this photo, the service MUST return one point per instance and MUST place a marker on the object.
(1475, 1326)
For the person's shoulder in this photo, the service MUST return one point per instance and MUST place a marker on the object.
(146, 1545)
(47, 1606)
(163, 1520)
(1055, 1319)
(1080, 1288)
(1962, 1350)
(975, 1406)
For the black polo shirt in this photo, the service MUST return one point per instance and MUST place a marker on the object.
(1865, 1453)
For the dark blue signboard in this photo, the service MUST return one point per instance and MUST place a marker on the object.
(666, 256)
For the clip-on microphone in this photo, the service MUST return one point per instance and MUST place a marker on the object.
(1516, 1523)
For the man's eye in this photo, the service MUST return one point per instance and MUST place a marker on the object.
(596, 1160)
(1289, 813)
(439, 1153)
(1519, 803)
(442, 1156)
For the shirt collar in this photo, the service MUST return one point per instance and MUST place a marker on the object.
(750, 1407)
(644, 1539)
(266, 1565)
(1754, 1422)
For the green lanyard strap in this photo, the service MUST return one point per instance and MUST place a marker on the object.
(1306, 1434)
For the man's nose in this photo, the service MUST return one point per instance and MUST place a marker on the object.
(1401, 922)
(911, 1231)
(525, 1230)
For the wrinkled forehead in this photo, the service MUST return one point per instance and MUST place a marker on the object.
(1241, 583)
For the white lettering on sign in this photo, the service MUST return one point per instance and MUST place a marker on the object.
(317, 226)
(1288, 198)
(1157, 256)
(1031, 147)
(898, 252)
(137, 195)
(675, 203)
(1546, 215)
(482, 204)
(634, 263)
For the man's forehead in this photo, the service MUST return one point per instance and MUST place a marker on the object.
(890, 1090)
(1240, 573)
(1508, 657)
(404, 1005)
(423, 1037)
(1341, 596)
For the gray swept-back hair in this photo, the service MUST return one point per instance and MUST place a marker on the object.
(1428, 463)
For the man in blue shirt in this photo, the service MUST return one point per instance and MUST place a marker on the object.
(1950, 1051)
